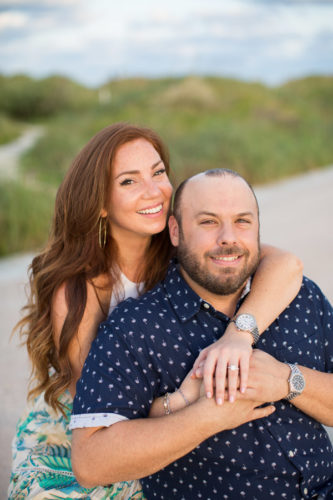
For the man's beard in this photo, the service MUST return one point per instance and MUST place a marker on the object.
(228, 280)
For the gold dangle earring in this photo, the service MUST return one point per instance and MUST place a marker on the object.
(102, 232)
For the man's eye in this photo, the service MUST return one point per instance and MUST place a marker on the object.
(243, 221)
(207, 222)
(126, 182)
(160, 171)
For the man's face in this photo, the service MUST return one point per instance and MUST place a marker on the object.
(218, 241)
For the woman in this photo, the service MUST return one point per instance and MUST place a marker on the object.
(109, 241)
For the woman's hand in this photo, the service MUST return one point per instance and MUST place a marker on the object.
(190, 390)
(228, 361)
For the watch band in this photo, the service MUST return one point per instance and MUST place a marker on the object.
(296, 382)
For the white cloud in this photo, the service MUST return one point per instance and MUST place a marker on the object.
(253, 39)
(14, 19)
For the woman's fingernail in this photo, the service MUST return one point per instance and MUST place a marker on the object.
(219, 401)
(209, 395)
(242, 390)
(231, 399)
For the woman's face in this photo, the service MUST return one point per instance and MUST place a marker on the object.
(140, 192)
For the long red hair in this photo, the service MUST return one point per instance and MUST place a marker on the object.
(73, 256)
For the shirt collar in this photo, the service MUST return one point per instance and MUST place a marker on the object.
(185, 302)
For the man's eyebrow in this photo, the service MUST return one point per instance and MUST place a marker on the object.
(203, 212)
(133, 172)
(213, 214)
(246, 214)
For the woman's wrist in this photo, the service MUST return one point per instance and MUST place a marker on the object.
(178, 400)
(241, 334)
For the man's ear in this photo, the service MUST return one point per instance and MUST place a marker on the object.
(103, 213)
(173, 230)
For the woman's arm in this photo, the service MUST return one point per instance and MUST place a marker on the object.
(80, 344)
(274, 285)
(189, 391)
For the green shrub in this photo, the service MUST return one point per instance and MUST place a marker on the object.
(25, 98)
(9, 129)
(25, 216)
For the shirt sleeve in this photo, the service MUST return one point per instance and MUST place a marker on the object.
(117, 380)
(327, 322)
(323, 319)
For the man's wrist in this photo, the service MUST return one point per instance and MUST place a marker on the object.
(285, 373)
(296, 382)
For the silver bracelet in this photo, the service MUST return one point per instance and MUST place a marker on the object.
(166, 404)
(184, 397)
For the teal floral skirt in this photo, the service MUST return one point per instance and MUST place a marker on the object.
(42, 459)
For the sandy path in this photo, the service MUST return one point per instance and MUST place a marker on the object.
(11, 153)
(296, 214)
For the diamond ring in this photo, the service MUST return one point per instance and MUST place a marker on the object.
(233, 368)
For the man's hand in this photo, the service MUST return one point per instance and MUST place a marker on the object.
(233, 349)
(268, 378)
(231, 415)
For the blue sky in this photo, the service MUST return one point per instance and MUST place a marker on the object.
(94, 40)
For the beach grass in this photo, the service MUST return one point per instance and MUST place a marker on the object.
(262, 132)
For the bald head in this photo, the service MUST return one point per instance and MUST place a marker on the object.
(198, 179)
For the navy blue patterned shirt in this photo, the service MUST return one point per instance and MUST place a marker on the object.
(146, 348)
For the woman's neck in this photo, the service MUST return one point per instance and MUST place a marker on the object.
(132, 254)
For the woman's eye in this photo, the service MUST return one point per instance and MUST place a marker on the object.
(126, 182)
(160, 171)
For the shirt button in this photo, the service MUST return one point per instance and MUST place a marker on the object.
(291, 454)
(206, 306)
(305, 491)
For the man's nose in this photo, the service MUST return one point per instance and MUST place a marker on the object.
(226, 234)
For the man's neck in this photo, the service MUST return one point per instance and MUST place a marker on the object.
(223, 303)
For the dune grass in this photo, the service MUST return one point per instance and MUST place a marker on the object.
(264, 133)
(25, 216)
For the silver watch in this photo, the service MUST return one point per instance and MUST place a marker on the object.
(296, 382)
(247, 323)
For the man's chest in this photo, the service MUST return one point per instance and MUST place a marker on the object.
(174, 346)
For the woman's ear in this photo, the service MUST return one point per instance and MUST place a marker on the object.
(103, 213)
(173, 230)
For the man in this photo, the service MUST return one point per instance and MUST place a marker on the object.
(148, 345)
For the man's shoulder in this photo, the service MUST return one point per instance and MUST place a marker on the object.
(310, 290)
(310, 298)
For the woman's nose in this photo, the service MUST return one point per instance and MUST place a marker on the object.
(151, 189)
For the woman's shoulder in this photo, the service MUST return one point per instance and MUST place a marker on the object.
(98, 291)
(97, 305)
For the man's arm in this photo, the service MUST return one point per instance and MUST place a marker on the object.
(268, 381)
(136, 448)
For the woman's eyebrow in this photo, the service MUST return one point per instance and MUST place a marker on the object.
(132, 172)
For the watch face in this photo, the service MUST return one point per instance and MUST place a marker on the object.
(245, 322)
(298, 383)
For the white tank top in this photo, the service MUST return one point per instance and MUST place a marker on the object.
(125, 289)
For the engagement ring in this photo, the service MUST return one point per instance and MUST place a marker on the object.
(233, 368)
